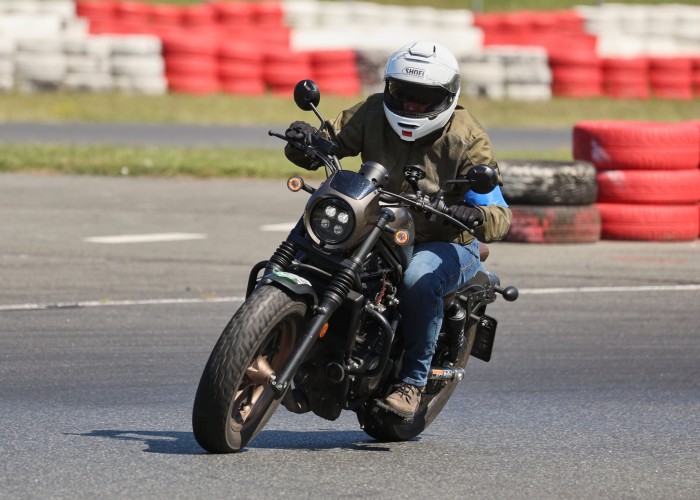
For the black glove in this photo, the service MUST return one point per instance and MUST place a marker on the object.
(468, 215)
(298, 131)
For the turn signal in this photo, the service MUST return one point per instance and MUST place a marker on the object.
(295, 184)
(401, 237)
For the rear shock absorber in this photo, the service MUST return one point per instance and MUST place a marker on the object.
(455, 321)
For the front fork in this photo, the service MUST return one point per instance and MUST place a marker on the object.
(334, 295)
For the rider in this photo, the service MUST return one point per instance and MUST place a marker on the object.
(417, 120)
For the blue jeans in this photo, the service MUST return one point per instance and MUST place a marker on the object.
(436, 269)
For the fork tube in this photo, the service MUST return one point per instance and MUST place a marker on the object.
(334, 295)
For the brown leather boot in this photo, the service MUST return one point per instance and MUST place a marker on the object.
(403, 401)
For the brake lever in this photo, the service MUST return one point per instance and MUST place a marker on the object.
(442, 210)
(304, 146)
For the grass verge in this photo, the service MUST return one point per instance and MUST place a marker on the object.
(222, 109)
(171, 162)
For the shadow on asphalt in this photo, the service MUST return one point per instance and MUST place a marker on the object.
(183, 443)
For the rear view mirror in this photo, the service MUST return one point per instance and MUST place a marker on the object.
(307, 95)
(483, 179)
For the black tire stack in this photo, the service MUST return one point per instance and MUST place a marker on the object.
(552, 201)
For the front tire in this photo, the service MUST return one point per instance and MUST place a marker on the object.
(386, 427)
(234, 399)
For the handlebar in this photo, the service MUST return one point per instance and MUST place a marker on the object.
(314, 146)
(425, 205)
(321, 148)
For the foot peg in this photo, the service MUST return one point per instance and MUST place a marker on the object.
(446, 374)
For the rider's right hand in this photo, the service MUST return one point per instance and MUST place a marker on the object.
(299, 131)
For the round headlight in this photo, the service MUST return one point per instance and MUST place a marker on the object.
(332, 221)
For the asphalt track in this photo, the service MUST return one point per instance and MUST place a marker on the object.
(227, 136)
(114, 290)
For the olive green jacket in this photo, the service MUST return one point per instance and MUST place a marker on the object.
(446, 154)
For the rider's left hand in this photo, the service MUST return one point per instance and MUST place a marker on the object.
(470, 216)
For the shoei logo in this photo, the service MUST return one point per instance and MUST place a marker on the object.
(414, 71)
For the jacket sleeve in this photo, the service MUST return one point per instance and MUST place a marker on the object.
(497, 215)
(497, 219)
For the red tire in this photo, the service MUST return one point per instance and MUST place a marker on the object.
(554, 224)
(133, 12)
(191, 65)
(166, 15)
(577, 81)
(623, 221)
(626, 78)
(199, 16)
(671, 77)
(333, 57)
(188, 42)
(340, 86)
(194, 84)
(234, 14)
(696, 123)
(633, 145)
(649, 186)
(231, 70)
(105, 10)
(241, 51)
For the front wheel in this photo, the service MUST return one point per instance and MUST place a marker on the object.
(384, 426)
(234, 400)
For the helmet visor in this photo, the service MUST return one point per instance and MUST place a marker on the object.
(418, 94)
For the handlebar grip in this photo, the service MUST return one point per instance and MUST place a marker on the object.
(441, 206)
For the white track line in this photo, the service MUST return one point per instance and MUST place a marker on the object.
(284, 227)
(149, 302)
(101, 303)
(612, 289)
(145, 238)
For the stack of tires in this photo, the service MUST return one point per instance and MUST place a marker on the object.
(192, 64)
(647, 175)
(335, 71)
(671, 77)
(552, 201)
(626, 77)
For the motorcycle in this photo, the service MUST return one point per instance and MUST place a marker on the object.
(320, 328)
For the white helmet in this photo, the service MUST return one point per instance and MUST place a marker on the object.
(422, 73)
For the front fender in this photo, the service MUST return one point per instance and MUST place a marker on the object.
(293, 283)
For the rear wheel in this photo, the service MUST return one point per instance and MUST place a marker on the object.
(384, 426)
(234, 400)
